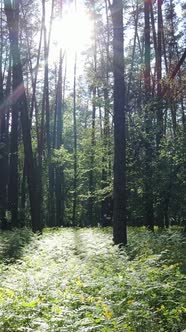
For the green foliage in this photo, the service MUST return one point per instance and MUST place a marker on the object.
(13, 243)
(76, 280)
(61, 157)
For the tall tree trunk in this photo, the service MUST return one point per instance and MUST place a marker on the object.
(47, 110)
(59, 141)
(119, 211)
(12, 14)
(106, 204)
(3, 173)
(34, 105)
(3, 164)
(91, 220)
(3, 143)
(106, 211)
(13, 169)
(92, 159)
(59, 171)
(75, 147)
(159, 135)
(136, 16)
(159, 77)
(153, 28)
(148, 191)
(4, 138)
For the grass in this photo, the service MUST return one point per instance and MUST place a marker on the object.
(75, 280)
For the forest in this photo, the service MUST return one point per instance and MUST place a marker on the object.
(92, 165)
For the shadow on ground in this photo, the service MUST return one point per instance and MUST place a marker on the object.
(13, 243)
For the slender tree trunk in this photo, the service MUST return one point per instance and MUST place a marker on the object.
(55, 111)
(59, 141)
(91, 220)
(4, 139)
(92, 159)
(34, 106)
(106, 211)
(134, 49)
(119, 211)
(23, 189)
(75, 147)
(3, 173)
(47, 110)
(153, 28)
(159, 113)
(159, 77)
(13, 169)
(3, 165)
(148, 191)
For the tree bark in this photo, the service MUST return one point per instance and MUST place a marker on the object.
(59, 184)
(159, 113)
(21, 102)
(13, 169)
(119, 210)
(75, 147)
(3, 142)
(47, 112)
(91, 220)
(148, 192)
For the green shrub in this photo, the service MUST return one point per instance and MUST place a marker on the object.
(76, 280)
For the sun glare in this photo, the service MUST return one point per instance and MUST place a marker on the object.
(73, 32)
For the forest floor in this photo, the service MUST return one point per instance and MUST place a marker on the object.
(75, 280)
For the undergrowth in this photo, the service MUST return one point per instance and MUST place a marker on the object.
(75, 280)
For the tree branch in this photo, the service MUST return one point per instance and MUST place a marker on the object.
(175, 71)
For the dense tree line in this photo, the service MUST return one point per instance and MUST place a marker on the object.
(111, 147)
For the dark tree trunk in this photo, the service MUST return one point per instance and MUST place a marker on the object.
(23, 189)
(91, 220)
(47, 110)
(148, 191)
(92, 159)
(3, 173)
(136, 16)
(159, 135)
(4, 150)
(13, 169)
(119, 211)
(34, 105)
(106, 211)
(153, 28)
(3, 146)
(59, 185)
(75, 148)
(12, 14)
